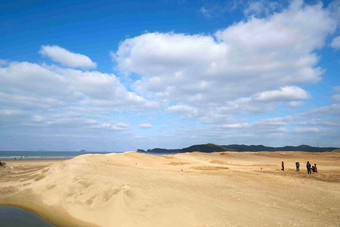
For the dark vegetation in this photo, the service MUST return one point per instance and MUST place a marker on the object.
(208, 148)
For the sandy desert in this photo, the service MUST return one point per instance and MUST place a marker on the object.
(189, 189)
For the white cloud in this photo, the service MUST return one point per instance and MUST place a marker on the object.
(334, 9)
(219, 8)
(317, 124)
(320, 122)
(205, 12)
(337, 88)
(42, 95)
(295, 103)
(112, 126)
(3, 62)
(145, 125)
(304, 130)
(302, 28)
(336, 98)
(262, 7)
(284, 93)
(273, 124)
(330, 110)
(254, 8)
(27, 84)
(265, 101)
(254, 62)
(10, 112)
(185, 110)
(66, 57)
(31, 85)
(237, 125)
(336, 43)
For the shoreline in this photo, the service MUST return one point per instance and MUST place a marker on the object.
(35, 160)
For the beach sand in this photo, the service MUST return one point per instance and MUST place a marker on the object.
(190, 189)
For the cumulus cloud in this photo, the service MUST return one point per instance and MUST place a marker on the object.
(284, 93)
(321, 123)
(205, 12)
(295, 103)
(334, 10)
(324, 111)
(219, 8)
(49, 86)
(184, 110)
(3, 62)
(10, 112)
(112, 126)
(30, 85)
(319, 117)
(236, 125)
(304, 130)
(40, 92)
(337, 88)
(145, 125)
(253, 62)
(266, 124)
(265, 101)
(67, 58)
(262, 7)
(336, 98)
(336, 43)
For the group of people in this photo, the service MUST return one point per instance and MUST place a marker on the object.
(309, 167)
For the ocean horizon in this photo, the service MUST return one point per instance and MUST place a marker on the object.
(10, 155)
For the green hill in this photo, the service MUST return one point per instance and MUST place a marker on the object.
(206, 148)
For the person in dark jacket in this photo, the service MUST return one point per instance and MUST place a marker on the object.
(297, 164)
(283, 166)
(308, 168)
(314, 168)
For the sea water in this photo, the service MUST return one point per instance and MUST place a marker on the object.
(16, 217)
(6, 155)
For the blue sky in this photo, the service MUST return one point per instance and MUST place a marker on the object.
(122, 75)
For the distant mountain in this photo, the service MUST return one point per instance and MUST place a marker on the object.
(208, 148)
(307, 148)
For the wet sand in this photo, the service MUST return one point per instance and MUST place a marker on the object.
(191, 189)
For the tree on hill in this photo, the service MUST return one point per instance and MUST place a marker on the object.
(205, 148)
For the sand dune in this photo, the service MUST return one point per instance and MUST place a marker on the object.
(190, 189)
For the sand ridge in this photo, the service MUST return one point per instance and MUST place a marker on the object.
(189, 189)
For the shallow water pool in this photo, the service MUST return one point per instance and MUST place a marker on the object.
(17, 217)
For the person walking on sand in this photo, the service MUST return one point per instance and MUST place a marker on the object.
(297, 164)
(283, 166)
(308, 168)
